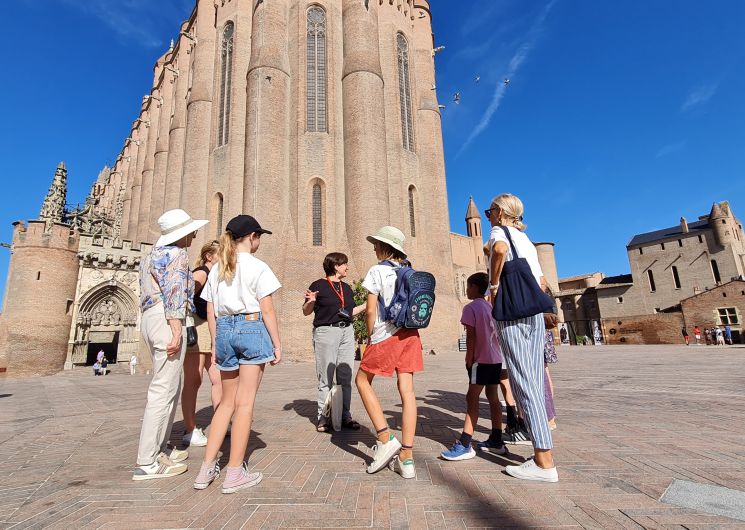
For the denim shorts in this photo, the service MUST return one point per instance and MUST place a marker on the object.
(240, 341)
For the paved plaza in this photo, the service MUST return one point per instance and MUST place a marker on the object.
(631, 420)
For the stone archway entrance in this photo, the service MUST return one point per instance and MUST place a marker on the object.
(106, 320)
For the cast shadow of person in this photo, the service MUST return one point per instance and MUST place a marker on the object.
(204, 417)
(346, 440)
(435, 423)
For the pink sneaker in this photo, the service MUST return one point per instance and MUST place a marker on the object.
(207, 474)
(238, 478)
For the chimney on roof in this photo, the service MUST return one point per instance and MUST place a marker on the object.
(684, 225)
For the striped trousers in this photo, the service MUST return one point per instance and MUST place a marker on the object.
(522, 344)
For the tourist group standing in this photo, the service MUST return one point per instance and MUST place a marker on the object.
(227, 304)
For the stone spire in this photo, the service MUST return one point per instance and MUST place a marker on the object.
(473, 211)
(54, 204)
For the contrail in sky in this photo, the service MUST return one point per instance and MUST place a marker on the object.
(515, 63)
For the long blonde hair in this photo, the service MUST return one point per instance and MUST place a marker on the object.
(227, 258)
(512, 210)
(207, 249)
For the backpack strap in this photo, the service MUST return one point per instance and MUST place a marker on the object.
(515, 255)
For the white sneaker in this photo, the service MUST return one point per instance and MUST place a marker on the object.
(163, 467)
(178, 455)
(384, 452)
(406, 468)
(195, 438)
(529, 470)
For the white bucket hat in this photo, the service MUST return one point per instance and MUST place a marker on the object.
(390, 235)
(175, 224)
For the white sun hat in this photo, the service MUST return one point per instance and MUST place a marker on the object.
(390, 235)
(175, 224)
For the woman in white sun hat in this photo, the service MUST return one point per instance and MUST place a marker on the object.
(166, 296)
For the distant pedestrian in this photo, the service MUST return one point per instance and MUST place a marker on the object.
(686, 338)
(720, 336)
(100, 355)
(697, 334)
(240, 308)
(97, 368)
(707, 336)
(390, 350)
(133, 365)
(104, 366)
(484, 366)
(166, 296)
(728, 334)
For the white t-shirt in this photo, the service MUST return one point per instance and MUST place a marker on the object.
(525, 248)
(253, 281)
(381, 280)
(133, 360)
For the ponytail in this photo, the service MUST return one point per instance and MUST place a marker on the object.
(227, 258)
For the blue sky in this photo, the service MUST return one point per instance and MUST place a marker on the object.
(619, 117)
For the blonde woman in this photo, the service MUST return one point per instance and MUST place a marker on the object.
(243, 323)
(522, 341)
(199, 356)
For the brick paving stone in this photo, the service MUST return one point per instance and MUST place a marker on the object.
(630, 421)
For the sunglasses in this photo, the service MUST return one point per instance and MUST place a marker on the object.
(490, 210)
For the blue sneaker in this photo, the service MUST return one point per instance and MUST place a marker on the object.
(458, 452)
(498, 448)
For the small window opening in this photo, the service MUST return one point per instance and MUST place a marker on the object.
(662, 246)
(38, 276)
(650, 277)
(676, 277)
(620, 299)
(700, 239)
(680, 242)
(641, 251)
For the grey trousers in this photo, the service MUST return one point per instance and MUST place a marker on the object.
(334, 349)
(165, 387)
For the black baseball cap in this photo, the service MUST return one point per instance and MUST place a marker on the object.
(243, 225)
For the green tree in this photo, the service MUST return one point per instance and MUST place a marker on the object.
(360, 297)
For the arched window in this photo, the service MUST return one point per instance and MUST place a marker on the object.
(412, 214)
(715, 271)
(317, 216)
(316, 71)
(404, 89)
(226, 81)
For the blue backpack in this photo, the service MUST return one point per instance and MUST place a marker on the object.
(413, 301)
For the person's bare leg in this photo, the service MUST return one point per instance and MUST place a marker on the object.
(363, 380)
(495, 406)
(472, 408)
(550, 381)
(248, 385)
(214, 375)
(544, 458)
(408, 414)
(222, 416)
(192, 382)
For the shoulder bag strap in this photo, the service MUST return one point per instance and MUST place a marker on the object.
(515, 255)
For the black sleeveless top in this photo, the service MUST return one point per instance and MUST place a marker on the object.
(200, 305)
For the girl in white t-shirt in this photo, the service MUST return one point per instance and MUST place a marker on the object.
(245, 335)
(522, 341)
(390, 349)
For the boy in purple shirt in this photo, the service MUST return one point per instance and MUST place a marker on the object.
(484, 366)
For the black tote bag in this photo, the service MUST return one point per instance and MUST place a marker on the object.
(519, 295)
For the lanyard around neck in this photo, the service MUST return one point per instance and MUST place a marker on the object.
(340, 293)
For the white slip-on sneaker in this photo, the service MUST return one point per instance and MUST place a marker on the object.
(383, 452)
(161, 468)
(195, 438)
(529, 470)
(406, 468)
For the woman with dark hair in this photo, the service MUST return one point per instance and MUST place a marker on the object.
(331, 300)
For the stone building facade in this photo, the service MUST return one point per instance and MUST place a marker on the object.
(317, 117)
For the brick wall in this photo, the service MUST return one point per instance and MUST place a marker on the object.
(662, 328)
(702, 310)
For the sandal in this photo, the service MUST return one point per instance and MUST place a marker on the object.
(350, 424)
(323, 427)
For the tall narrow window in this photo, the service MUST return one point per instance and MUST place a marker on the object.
(676, 277)
(226, 81)
(715, 271)
(650, 277)
(218, 213)
(412, 215)
(317, 216)
(316, 71)
(404, 89)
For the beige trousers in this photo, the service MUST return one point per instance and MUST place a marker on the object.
(165, 387)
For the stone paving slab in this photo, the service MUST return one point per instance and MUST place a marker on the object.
(631, 420)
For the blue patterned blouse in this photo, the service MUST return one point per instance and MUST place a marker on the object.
(165, 277)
